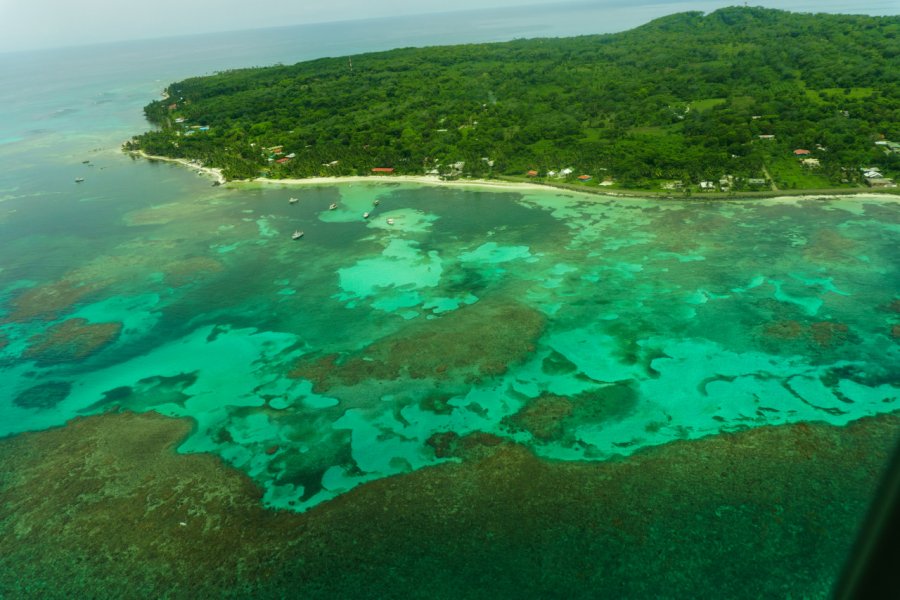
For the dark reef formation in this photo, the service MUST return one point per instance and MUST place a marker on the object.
(105, 508)
(73, 339)
(482, 339)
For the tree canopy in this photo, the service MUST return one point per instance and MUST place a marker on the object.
(683, 98)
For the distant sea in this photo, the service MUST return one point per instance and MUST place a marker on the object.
(582, 329)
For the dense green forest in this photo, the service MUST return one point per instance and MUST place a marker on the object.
(681, 100)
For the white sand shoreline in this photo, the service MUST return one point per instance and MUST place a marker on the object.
(216, 174)
(494, 184)
(417, 179)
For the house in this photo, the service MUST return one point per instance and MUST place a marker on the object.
(551, 173)
(532, 173)
(766, 136)
(756, 181)
(880, 182)
(584, 178)
(812, 163)
(565, 172)
(281, 161)
(383, 169)
(801, 152)
(707, 186)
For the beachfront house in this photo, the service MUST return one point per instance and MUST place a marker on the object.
(880, 182)
(802, 152)
(385, 170)
(532, 173)
(584, 178)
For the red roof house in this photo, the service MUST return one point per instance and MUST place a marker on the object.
(383, 169)
(584, 178)
(532, 173)
(801, 152)
(281, 161)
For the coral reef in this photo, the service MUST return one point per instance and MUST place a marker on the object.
(105, 507)
(50, 300)
(188, 270)
(481, 339)
(73, 339)
(44, 395)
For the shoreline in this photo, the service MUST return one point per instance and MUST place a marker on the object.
(215, 173)
(418, 179)
(890, 194)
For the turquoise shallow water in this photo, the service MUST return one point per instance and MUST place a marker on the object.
(589, 327)
(583, 327)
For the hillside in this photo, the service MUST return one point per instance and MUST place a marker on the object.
(680, 100)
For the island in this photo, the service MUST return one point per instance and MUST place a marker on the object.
(740, 100)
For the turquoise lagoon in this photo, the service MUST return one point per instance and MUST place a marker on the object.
(584, 327)
(316, 365)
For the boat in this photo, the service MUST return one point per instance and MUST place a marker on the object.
(79, 179)
(376, 203)
(390, 221)
(297, 235)
(293, 200)
(365, 215)
(332, 207)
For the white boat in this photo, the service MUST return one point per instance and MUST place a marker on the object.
(79, 179)
(293, 200)
(365, 215)
(332, 207)
(377, 202)
(390, 221)
(297, 235)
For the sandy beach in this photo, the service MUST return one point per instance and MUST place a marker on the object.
(494, 184)
(420, 179)
(216, 174)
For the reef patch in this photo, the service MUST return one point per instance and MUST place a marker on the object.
(43, 396)
(71, 340)
(482, 339)
(105, 507)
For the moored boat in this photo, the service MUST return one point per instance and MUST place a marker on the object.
(332, 207)
(365, 215)
(79, 179)
(390, 221)
(293, 200)
(297, 235)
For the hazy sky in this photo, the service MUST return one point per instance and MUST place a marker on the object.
(28, 24)
(31, 24)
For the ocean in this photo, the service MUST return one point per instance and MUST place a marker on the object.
(500, 389)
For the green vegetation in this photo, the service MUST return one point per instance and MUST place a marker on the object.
(679, 101)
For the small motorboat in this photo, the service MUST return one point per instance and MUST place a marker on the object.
(390, 221)
(297, 235)
(293, 200)
(365, 215)
(332, 207)
(376, 203)
(79, 179)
